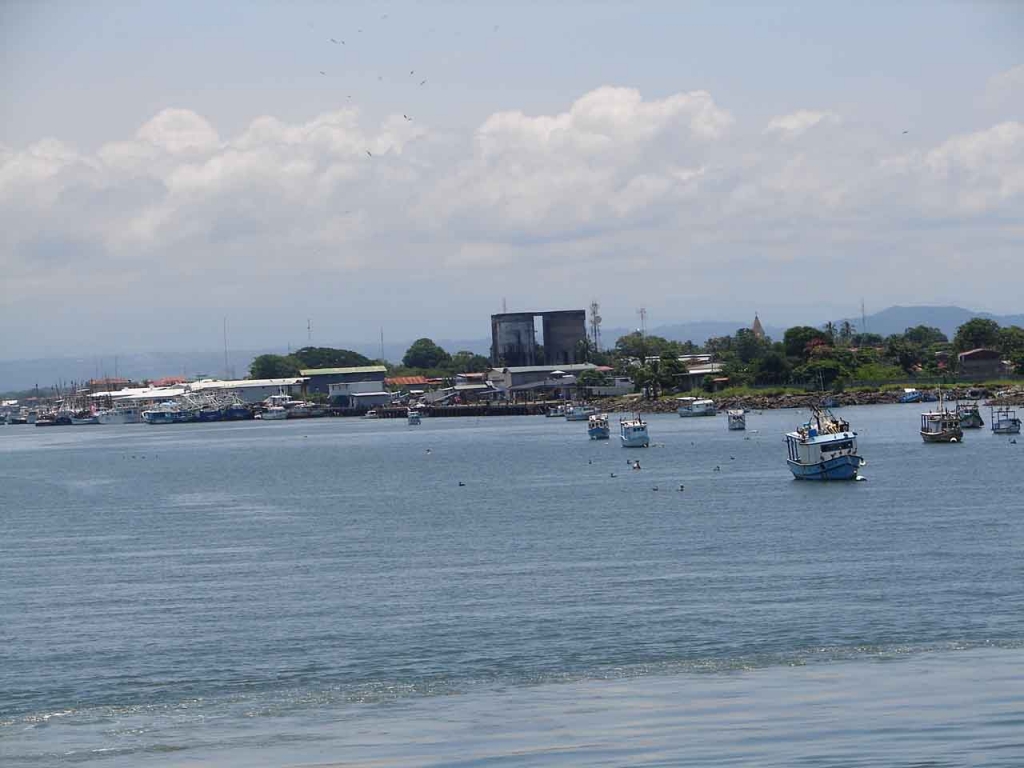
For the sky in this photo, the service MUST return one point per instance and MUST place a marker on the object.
(413, 167)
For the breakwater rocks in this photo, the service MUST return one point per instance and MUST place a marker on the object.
(757, 402)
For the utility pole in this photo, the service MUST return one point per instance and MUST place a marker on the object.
(863, 317)
(226, 370)
(309, 331)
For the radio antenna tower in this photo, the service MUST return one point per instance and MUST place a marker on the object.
(643, 322)
(595, 325)
(863, 318)
(309, 331)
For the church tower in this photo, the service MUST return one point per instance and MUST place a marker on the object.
(756, 327)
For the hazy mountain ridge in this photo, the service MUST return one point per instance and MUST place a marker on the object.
(16, 375)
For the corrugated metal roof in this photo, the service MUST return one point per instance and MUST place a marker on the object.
(405, 381)
(548, 368)
(337, 371)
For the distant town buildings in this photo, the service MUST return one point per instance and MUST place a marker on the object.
(514, 339)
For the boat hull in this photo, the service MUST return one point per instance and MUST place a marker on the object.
(946, 436)
(837, 468)
(1007, 429)
(599, 433)
(165, 417)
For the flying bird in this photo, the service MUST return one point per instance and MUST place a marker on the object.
(337, 41)
(412, 71)
(423, 82)
(906, 132)
(322, 72)
(407, 117)
(369, 154)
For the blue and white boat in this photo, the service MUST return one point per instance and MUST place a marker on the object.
(824, 448)
(911, 395)
(597, 427)
(633, 433)
(413, 417)
(168, 412)
(580, 412)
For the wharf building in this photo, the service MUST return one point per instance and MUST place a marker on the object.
(514, 338)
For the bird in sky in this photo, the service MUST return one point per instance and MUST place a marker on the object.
(336, 42)
(412, 71)
(407, 117)
(423, 82)
(906, 132)
(368, 153)
(322, 72)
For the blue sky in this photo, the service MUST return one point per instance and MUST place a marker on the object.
(164, 165)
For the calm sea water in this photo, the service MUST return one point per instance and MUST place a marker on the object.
(326, 591)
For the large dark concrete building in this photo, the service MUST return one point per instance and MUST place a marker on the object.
(514, 342)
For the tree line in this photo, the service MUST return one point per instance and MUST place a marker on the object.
(806, 355)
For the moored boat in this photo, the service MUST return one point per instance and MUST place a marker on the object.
(941, 426)
(736, 419)
(911, 395)
(970, 416)
(694, 406)
(1005, 421)
(120, 413)
(633, 432)
(824, 448)
(597, 427)
(413, 417)
(167, 412)
(580, 412)
(555, 412)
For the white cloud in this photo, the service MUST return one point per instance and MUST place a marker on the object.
(797, 123)
(616, 180)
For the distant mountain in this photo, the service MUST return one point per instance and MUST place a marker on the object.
(946, 319)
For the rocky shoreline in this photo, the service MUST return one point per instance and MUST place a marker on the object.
(1009, 397)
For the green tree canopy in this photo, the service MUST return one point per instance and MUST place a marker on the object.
(328, 357)
(424, 353)
(1011, 342)
(464, 361)
(797, 339)
(748, 346)
(976, 332)
(592, 378)
(924, 335)
(638, 346)
(274, 367)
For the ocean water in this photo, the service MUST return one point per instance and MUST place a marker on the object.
(504, 591)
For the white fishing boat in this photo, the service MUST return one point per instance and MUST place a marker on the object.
(824, 448)
(580, 412)
(597, 427)
(273, 413)
(736, 419)
(371, 414)
(941, 426)
(555, 412)
(633, 432)
(413, 417)
(120, 413)
(275, 408)
(1005, 421)
(695, 406)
